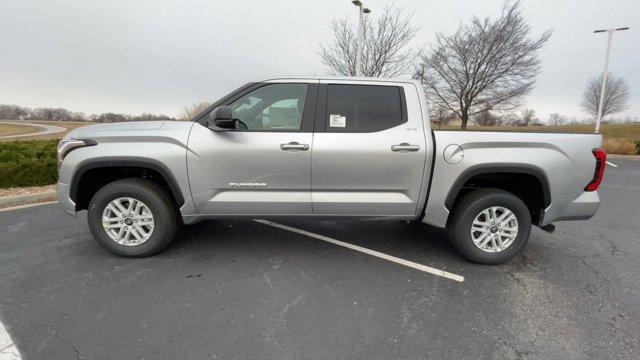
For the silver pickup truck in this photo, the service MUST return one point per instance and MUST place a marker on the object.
(325, 148)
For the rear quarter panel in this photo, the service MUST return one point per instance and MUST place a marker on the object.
(564, 159)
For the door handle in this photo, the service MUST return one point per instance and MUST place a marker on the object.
(405, 147)
(295, 146)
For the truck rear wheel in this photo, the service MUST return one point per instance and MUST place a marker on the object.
(132, 218)
(489, 226)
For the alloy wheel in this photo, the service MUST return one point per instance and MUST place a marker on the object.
(128, 221)
(494, 229)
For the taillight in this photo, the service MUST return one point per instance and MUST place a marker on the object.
(601, 160)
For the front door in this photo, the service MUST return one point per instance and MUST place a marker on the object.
(264, 166)
(368, 150)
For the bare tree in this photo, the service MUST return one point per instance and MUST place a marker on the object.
(527, 116)
(78, 116)
(50, 114)
(484, 64)
(13, 112)
(486, 118)
(616, 96)
(192, 110)
(111, 117)
(149, 117)
(556, 119)
(510, 119)
(384, 51)
(442, 115)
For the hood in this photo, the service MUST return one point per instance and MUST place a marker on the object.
(107, 129)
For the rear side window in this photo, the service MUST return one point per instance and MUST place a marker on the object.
(363, 108)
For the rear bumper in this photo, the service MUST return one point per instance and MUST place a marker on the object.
(64, 199)
(572, 207)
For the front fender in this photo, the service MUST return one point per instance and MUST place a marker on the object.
(125, 161)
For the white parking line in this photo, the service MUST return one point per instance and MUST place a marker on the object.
(8, 349)
(361, 249)
(612, 164)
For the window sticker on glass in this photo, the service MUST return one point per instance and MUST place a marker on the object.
(337, 120)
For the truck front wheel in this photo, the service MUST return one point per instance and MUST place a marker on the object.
(489, 226)
(132, 218)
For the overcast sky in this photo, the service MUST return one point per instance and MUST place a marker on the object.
(158, 56)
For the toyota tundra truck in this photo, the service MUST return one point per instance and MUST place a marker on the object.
(319, 148)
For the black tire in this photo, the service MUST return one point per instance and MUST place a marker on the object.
(466, 210)
(152, 195)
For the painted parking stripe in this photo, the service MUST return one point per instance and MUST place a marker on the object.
(8, 349)
(397, 260)
(612, 164)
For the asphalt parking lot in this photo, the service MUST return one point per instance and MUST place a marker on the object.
(248, 290)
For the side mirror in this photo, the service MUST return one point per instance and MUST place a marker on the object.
(221, 119)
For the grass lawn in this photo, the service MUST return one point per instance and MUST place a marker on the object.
(11, 129)
(617, 138)
(69, 125)
(608, 131)
(629, 131)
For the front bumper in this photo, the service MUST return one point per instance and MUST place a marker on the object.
(64, 199)
(571, 207)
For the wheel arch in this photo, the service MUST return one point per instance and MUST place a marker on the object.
(131, 166)
(503, 173)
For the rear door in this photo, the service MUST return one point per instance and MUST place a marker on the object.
(368, 150)
(263, 168)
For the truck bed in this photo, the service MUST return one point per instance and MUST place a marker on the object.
(564, 159)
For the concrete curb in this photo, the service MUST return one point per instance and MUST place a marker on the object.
(28, 198)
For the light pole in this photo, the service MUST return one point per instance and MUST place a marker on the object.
(605, 73)
(361, 11)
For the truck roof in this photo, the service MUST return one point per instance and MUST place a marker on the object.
(341, 78)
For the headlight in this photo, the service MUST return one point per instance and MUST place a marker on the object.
(65, 147)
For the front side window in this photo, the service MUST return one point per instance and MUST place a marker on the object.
(274, 107)
(363, 108)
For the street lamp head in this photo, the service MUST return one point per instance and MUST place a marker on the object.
(611, 30)
(357, 2)
(366, 10)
